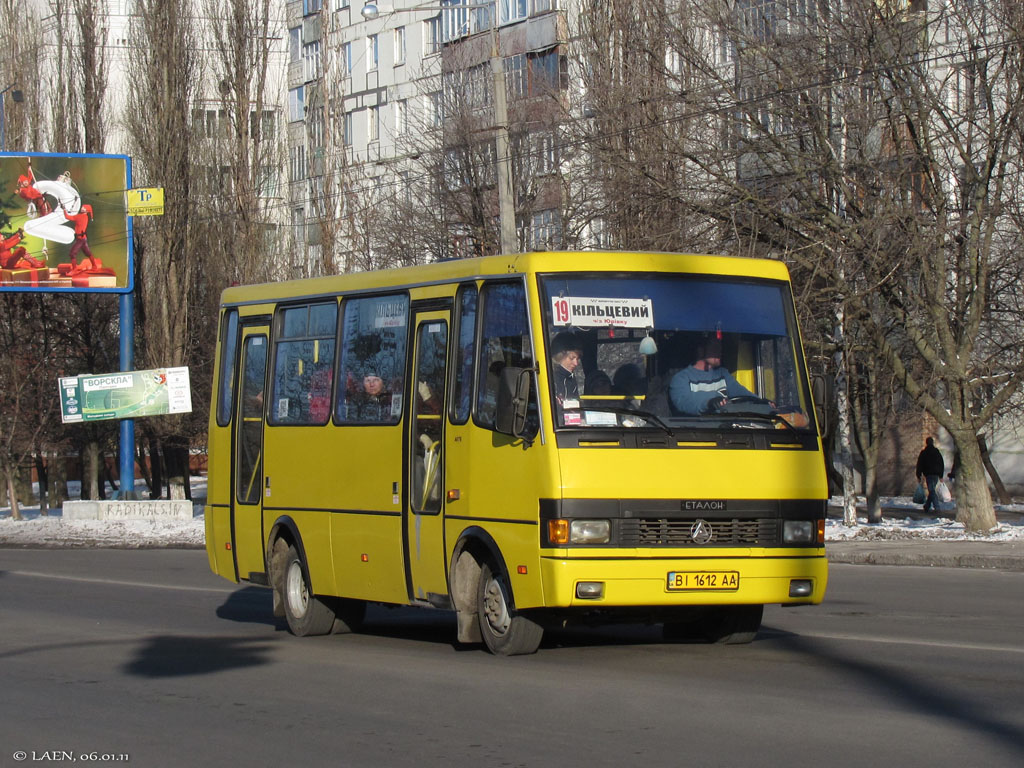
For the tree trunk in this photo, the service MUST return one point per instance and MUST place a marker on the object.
(91, 470)
(997, 481)
(176, 453)
(874, 506)
(11, 493)
(973, 501)
(57, 476)
(156, 466)
(44, 502)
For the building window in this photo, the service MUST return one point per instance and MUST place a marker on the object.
(347, 130)
(545, 150)
(373, 127)
(545, 72)
(309, 7)
(372, 53)
(543, 6)
(515, 75)
(346, 59)
(401, 117)
(399, 45)
(296, 105)
(511, 10)
(432, 36)
(294, 43)
(311, 60)
(297, 163)
(315, 126)
(545, 230)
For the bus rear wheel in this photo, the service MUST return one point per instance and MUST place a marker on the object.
(307, 614)
(505, 632)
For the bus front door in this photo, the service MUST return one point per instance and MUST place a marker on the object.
(247, 506)
(424, 523)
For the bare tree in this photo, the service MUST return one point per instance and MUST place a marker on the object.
(165, 84)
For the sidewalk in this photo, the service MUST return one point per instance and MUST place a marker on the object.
(897, 549)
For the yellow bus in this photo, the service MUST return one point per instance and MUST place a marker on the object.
(525, 441)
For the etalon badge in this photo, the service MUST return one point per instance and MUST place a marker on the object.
(701, 532)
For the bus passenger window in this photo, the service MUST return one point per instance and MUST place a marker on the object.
(371, 368)
(464, 355)
(505, 341)
(304, 361)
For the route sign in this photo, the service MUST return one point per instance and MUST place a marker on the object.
(124, 395)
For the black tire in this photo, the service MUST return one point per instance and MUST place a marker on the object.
(348, 615)
(307, 615)
(505, 632)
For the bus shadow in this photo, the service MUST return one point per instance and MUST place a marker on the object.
(176, 656)
(250, 605)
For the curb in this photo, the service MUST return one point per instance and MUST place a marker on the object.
(1001, 556)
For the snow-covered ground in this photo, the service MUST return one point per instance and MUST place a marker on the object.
(902, 520)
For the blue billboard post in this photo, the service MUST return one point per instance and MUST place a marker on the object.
(126, 305)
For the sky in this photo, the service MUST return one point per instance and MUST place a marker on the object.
(902, 519)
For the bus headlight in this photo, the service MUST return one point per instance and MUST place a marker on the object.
(798, 531)
(590, 532)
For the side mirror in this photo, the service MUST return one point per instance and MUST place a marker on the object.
(513, 401)
(821, 393)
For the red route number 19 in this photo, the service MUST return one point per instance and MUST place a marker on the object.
(561, 309)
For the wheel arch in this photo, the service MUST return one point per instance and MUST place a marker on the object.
(474, 547)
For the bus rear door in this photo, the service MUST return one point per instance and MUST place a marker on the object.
(424, 523)
(247, 501)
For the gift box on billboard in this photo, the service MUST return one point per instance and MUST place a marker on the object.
(94, 281)
(29, 276)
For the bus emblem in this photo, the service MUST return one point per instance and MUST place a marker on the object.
(701, 532)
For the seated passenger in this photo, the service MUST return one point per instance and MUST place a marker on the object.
(704, 385)
(597, 383)
(629, 380)
(566, 352)
(371, 402)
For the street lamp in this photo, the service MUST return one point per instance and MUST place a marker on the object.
(506, 207)
(18, 98)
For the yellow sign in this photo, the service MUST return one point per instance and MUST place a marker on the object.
(146, 201)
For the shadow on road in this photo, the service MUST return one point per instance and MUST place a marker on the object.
(177, 656)
(250, 605)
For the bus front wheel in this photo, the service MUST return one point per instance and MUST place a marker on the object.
(505, 632)
(306, 613)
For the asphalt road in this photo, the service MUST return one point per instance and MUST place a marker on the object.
(145, 658)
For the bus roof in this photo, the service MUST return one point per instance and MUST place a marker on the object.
(516, 264)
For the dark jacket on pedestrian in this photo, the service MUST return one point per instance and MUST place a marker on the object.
(929, 462)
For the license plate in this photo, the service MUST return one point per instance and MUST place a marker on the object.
(679, 581)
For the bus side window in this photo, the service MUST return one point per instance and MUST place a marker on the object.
(465, 353)
(229, 350)
(371, 367)
(505, 340)
(304, 359)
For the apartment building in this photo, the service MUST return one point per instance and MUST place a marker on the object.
(379, 101)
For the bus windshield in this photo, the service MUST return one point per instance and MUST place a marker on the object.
(673, 351)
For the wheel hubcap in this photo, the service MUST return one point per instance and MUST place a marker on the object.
(295, 587)
(495, 607)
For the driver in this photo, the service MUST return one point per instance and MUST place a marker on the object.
(704, 385)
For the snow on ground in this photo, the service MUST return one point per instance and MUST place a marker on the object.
(902, 520)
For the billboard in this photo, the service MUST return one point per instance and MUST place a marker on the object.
(64, 223)
(124, 395)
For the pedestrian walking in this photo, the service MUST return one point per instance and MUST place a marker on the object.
(930, 466)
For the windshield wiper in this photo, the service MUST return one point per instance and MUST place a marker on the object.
(774, 418)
